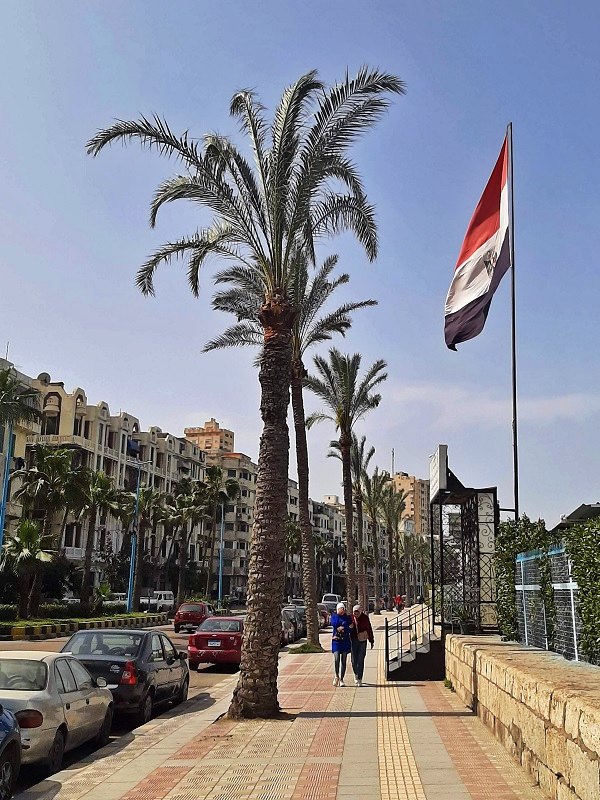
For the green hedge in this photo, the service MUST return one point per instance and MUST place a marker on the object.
(8, 613)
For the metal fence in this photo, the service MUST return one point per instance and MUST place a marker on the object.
(533, 626)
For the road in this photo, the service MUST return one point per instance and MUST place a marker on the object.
(206, 676)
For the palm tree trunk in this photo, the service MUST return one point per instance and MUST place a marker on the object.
(182, 560)
(256, 691)
(391, 565)
(345, 442)
(24, 586)
(376, 569)
(213, 539)
(86, 585)
(362, 578)
(35, 592)
(309, 578)
(406, 573)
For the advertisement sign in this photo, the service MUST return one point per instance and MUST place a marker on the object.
(438, 472)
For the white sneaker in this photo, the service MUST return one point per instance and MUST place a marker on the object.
(359, 683)
(356, 681)
(336, 681)
(341, 683)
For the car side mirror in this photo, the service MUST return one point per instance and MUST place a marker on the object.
(183, 655)
(101, 683)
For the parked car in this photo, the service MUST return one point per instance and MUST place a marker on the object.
(158, 601)
(323, 615)
(297, 601)
(10, 752)
(217, 641)
(300, 620)
(292, 623)
(57, 703)
(142, 668)
(288, 629)
(190, 615)
(331, 601)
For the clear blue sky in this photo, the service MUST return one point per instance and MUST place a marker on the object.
(74, 229)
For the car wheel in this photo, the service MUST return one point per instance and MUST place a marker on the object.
(103, 735)
(145, 710)
(9, 770)
(182, 694)
(57, 751)
(176, 628)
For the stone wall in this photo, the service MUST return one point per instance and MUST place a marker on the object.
(543, 709)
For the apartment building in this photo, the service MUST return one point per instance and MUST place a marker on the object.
(417, 501)
(103, 441)
(212, 439)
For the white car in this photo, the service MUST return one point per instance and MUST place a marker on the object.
(57, 703)
(160, 601)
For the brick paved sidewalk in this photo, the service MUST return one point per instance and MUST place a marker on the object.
(411, 741)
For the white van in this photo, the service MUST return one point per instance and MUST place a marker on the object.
(159, 601)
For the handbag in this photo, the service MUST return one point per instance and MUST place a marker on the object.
(362, 636)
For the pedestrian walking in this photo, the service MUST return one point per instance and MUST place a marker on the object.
(341, 624)
(399, 603)
(361, 632)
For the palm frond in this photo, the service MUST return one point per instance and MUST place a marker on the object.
(244, 334)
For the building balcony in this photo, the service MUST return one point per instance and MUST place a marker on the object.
(109, 451)
(61, 441)
(74, 552)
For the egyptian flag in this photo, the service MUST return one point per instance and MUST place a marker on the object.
(483, 259)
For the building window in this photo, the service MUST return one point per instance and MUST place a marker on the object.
(231, 473)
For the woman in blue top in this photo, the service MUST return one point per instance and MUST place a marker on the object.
(341, 624)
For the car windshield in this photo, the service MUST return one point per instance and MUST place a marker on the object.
(217, 625)
(190, 607)
(22, 675)
(104, 643)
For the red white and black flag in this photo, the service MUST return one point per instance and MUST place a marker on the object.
(483, 259)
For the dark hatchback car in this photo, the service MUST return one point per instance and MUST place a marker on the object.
(10, 752)
(142, 668)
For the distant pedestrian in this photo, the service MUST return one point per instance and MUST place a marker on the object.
(360, 633)
(341, 625)
(399, 603)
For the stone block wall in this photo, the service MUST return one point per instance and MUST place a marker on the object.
(543, 709)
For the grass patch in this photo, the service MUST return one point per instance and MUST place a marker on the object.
(307, 648)
(448, 684)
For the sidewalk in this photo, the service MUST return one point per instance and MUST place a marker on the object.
(411, 741)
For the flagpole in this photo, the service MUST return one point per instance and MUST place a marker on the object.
(511, 235)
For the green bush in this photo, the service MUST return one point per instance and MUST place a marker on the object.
(59, 610)
(582, 545)
(8, 613)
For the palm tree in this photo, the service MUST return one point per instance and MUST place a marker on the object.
(394, 506)
(262, 215)
(293, 547)
(18, 403)
(24, 553)
(359, 463)
(99, 498)
(348, 398)
(219, 493)
(148, 499)
(374, 501)
(191, 500)
(311, 327)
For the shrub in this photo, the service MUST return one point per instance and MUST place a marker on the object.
(582, 548)
(8, 613)
(110, 607)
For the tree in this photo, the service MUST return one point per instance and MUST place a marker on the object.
(25, 553)
(293, 547)
(302, 186)
(148, 499)
(311, 327)
(394, 505)
(219, 493)
(359, 463)
(348, 399)
(374, 500)
(18, 403)
(99, 497)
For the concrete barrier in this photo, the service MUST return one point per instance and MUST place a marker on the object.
(543, 709)
(66, 627)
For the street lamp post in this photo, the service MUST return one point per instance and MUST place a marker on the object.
(5, 483)
(221, 555)
(134, 535)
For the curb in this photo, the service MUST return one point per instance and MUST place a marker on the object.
(17, 633)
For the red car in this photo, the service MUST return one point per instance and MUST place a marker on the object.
(191, 615)
(217, 641)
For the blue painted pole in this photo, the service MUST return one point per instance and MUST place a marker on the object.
(5, 483)
(221, 555)
(134, 541)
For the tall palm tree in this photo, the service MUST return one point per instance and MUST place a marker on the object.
(301, 186)
(18, 403)
(25, 553)
(219, 492)
(148, 499)
(99, 497)
(374, 501)
(348, 398)
(394, 506)
(192, 501)
(311, 326)
(293, 547)
(359, 463)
